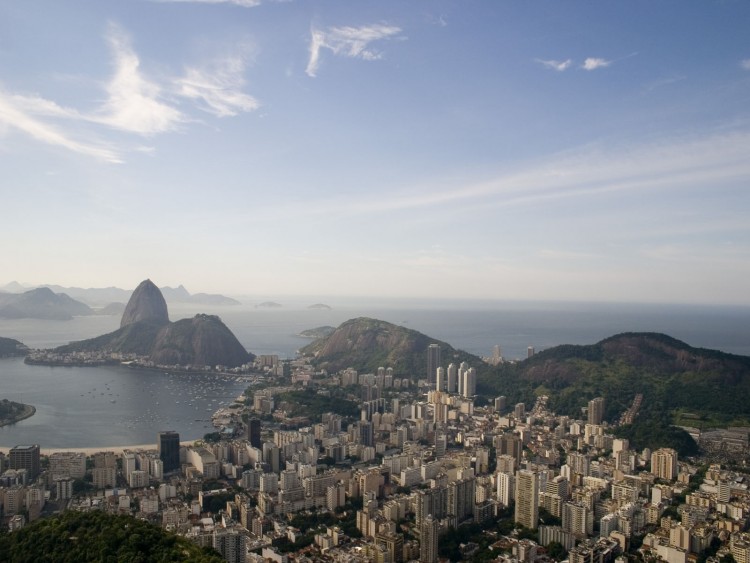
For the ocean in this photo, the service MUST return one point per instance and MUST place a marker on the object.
(71, 413)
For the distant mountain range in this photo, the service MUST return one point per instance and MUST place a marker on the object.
(145, 330)
(41, 303)
(100, 297)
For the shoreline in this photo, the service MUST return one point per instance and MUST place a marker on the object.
(89, 451)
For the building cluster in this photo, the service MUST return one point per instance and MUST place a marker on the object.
(104, 357)
(419, 461)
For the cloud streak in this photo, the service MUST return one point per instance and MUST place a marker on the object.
(559, 66)
(352, 42)
(218, 87)
(15, 111)
(589, 172)
(241, 3)
(745, 64)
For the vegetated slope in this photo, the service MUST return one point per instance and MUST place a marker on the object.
(41, 303)
(366, 344)
(10, 347)
(667, 371)
(671, 375)
(203, 340)
(136, 338)
(97, 536)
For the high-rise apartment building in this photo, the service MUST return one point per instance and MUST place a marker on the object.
(169, 450)
(253, 433)
(527, 498)
(596, 411)
(433, 362)
(664, 464)
(452, 378)
(428, 541)
(25, 457)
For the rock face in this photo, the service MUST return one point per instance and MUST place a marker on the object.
(146, 304)
(203, 341)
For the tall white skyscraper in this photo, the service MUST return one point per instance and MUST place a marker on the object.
(452, 378)
(469, 386)
(442, 383)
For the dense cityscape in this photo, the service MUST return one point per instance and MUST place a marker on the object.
(312, 466)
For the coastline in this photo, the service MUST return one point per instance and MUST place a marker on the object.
(91, 451)
(28, 412)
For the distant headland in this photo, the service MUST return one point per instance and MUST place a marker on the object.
(12, 412)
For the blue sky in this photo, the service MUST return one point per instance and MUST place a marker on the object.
(446, 149)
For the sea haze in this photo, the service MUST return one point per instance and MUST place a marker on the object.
(75, 408)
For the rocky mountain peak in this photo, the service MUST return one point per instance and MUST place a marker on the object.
(146, 304)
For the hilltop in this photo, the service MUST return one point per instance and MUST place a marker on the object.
(145, 330)
(366, 344)
(666, 370)
(97, 536)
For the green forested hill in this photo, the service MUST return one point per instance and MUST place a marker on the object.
(366, 344)
(710, 387)
(82, 537)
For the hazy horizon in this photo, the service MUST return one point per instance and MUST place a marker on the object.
(304, 301)
(577, 152)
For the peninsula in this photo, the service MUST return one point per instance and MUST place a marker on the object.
(12, 412)
(147, 338)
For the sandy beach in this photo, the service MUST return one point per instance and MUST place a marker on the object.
(92, 451)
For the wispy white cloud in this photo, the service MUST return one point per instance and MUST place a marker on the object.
(556, 65)
(348, 42)
(664, 82)
(218, 87)
(134, 103)
(745, 64)
(585, 173)
(17, 112)
(593, 63)
(241, 3)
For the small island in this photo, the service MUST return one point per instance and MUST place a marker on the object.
(268, 305)
(320, 306)
(318, 332)
(11, 412)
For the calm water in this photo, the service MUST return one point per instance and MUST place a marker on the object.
(75, 408)
(109, 406)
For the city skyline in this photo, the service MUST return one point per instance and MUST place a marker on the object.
(514, 151)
